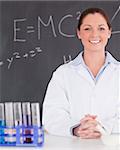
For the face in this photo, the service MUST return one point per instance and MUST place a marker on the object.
(94, 32)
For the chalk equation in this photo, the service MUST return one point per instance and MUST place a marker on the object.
(17, 55)
(41, 23)
(29, 29)
(21, 27)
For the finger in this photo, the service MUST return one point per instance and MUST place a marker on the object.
(88, 131)
(92, 116)
(85, 119)
(92, 122)
(93, 135)
(84, 132)
(88, 125)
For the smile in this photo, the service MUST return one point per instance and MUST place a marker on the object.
(94, 41)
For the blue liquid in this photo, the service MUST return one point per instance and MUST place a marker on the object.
(2, 140)
(2, 124)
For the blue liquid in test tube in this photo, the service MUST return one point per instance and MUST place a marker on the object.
(10, 131)
(36, 120)
(27, 121)
(2, 123)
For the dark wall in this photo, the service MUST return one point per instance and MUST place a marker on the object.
(36, 37)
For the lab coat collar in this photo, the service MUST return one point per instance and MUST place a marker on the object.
(78, 65)
(79, 59)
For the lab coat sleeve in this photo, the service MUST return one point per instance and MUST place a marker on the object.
(56, 107)
(111, 125)
(108, 124)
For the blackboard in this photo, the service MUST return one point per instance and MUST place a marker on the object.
(38, 36)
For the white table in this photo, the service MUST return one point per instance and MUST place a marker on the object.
(66, 143)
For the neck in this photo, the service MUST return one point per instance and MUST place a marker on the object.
(94, 60)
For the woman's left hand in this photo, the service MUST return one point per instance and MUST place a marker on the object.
(88, 128)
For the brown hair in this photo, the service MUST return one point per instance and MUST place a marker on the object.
(93, 11)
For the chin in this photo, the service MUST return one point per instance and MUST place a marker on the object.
(96, 48)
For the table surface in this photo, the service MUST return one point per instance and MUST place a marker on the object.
(68, 143)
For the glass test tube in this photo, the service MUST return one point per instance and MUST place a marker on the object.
(27, 121)
(35, 114)
(2, 123)
(10, 131)
(17, 114)
(36, 118)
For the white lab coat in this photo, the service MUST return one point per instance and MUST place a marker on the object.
(72, 93)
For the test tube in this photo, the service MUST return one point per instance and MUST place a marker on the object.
(35, 114)
(27, 121)
(17, 114)
(36, 118)
(2, 115)
(2, 123)
(10, 131)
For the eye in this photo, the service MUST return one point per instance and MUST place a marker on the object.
(87, 29)
(101, 28)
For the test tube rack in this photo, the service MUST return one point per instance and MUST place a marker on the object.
(22, 136)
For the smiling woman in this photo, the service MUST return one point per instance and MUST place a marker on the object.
(94, 35)
(94, 30)
(77, 98)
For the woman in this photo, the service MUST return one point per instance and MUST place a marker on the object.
(83, 94)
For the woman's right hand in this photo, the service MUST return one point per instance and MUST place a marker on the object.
(88, 128)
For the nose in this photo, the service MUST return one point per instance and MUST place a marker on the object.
(95, 33)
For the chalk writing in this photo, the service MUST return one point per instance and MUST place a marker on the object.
(115, 14)
(50, 21)
(78, 15)
(1, 63)
(10, 60)
(60, 26)
(115, 32)
(66, 60)
(25, 55)
(42, 24)
(16, 55)
(30, 29)
(20, 27)
(16, 30)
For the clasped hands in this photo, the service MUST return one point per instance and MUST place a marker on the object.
(88, 128)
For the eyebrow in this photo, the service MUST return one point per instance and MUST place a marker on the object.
(102, 25)
(91, 25)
